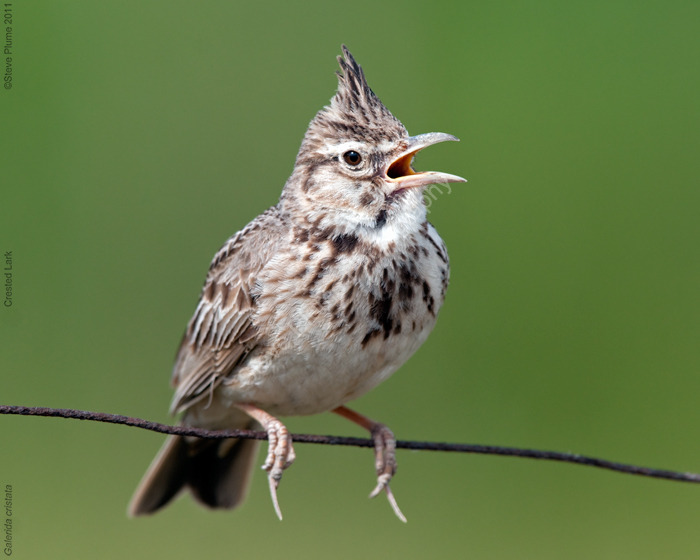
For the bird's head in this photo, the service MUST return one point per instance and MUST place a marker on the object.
(354, 169)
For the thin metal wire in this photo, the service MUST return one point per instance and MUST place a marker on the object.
(357, 442)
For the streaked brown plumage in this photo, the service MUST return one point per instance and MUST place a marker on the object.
(311, 305)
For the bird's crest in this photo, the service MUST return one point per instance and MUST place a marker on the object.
(355, 112)
(354, 96)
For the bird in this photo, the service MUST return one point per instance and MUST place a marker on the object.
(311, 305)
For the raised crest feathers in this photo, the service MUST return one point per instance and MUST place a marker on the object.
(355, 112)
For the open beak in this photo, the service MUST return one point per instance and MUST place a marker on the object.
(402, 174)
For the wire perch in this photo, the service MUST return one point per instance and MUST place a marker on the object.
(356, 442)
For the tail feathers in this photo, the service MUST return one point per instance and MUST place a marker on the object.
(217, 472)
(164, 479)
(221, 474)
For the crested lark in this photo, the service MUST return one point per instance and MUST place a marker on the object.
(312, 304)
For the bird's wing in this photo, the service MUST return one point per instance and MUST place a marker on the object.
(221, 332)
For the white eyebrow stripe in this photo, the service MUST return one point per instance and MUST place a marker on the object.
(342, 147)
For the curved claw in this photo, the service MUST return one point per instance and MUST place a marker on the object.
(273, 494)
(394, 505)
(383, 484)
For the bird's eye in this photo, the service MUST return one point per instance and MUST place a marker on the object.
(352, 157)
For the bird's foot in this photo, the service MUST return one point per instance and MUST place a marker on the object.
(280, 452)
(280, 455)
(385, 463)
(384, 454)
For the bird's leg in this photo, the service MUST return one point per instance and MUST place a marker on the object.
(280, 453)
(384, 453)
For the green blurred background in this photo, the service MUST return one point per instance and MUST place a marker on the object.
(140, 135)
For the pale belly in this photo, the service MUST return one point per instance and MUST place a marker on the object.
(300, 383)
